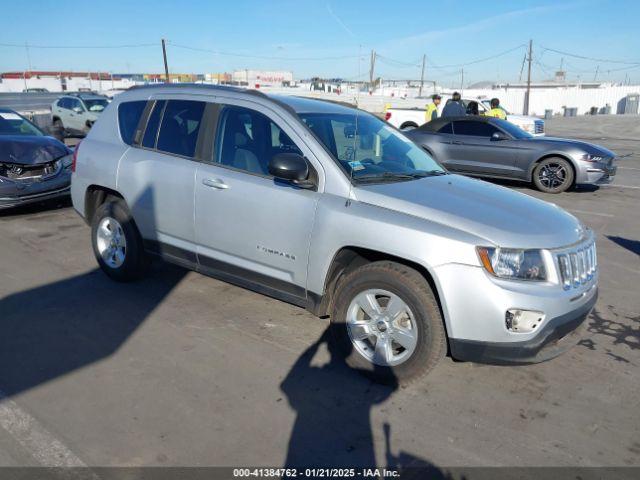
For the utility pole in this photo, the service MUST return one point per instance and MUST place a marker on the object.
(596, 75)
(461, 79)
(528, 94)
(166, 67)
(371, 70)
(524, 59)
(424, 57)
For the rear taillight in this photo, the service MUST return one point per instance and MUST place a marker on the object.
(75, 157)
(387, 115)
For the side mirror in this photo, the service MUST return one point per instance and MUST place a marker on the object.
(77, 109)
(291, 167)
(499, 136)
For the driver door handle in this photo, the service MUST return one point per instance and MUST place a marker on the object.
(456, 142)
(215, 183)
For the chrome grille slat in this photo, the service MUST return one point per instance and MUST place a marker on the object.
(577, 266)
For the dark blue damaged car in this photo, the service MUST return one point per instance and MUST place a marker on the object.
(33, 166)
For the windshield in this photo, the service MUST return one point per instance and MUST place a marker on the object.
(513, 130)
(13, 124)
(368, 149)
(96, 105)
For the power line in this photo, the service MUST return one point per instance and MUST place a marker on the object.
(136, 45)
(397, 63)
(262, 57)
(604, 60)
(480, 60)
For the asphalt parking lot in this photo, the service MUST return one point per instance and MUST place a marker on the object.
(181, 369)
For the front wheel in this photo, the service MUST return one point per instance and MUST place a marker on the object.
(387, 323)
(553, 175)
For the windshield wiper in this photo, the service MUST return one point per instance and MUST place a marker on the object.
(390, 176)
(384, 176)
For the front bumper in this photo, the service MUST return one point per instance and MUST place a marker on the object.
(474, 305)
(13, 194)
(596, 173)
(557, 336)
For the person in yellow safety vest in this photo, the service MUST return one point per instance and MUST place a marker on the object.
(431, 112)
(496, 111)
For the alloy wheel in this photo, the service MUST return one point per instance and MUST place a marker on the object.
(382, 327)
(111, 242)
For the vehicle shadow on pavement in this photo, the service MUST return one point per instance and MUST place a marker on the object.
(632, 245)
(333, 405)
(33, 208)
(528, 186)
(55, 329)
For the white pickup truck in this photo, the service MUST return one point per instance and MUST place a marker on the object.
(407, 118)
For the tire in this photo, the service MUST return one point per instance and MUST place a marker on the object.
(58, 129)
(408, 126)
(553, 175)
(128, 261)
(423, 317)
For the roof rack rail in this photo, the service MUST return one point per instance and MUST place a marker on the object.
(227, 88)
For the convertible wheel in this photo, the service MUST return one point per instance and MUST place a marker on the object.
(553, 175)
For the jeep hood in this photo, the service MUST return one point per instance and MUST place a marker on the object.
(30, 150)
(499, 215)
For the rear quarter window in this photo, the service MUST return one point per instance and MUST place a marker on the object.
(129, 114)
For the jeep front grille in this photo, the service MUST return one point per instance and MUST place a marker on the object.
(577, 266)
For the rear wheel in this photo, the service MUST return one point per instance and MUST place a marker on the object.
(116, 242)
(553, 175)
(408, 126)
(387, 322)
(58, 129)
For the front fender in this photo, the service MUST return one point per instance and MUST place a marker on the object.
(339, 224)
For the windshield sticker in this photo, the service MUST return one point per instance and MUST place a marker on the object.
(10, 116)
(356, 165)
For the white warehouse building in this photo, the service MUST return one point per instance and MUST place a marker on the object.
(262, 78)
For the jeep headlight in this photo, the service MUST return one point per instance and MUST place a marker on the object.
(529, 127)
(513, 263)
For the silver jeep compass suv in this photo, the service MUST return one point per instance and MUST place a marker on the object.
(332, 209)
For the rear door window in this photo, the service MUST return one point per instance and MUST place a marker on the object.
(129, 114)
(151, 132)
(476, 129)
(180, 126)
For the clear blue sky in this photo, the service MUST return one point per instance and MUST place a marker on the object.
(327, 38)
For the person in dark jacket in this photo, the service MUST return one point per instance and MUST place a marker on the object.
(454, 107)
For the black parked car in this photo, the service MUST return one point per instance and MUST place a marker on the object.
(33, 166)
(490, 147)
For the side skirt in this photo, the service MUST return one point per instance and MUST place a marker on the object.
(257, 282)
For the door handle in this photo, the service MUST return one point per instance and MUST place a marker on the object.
(456, 142)
(215, 183)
